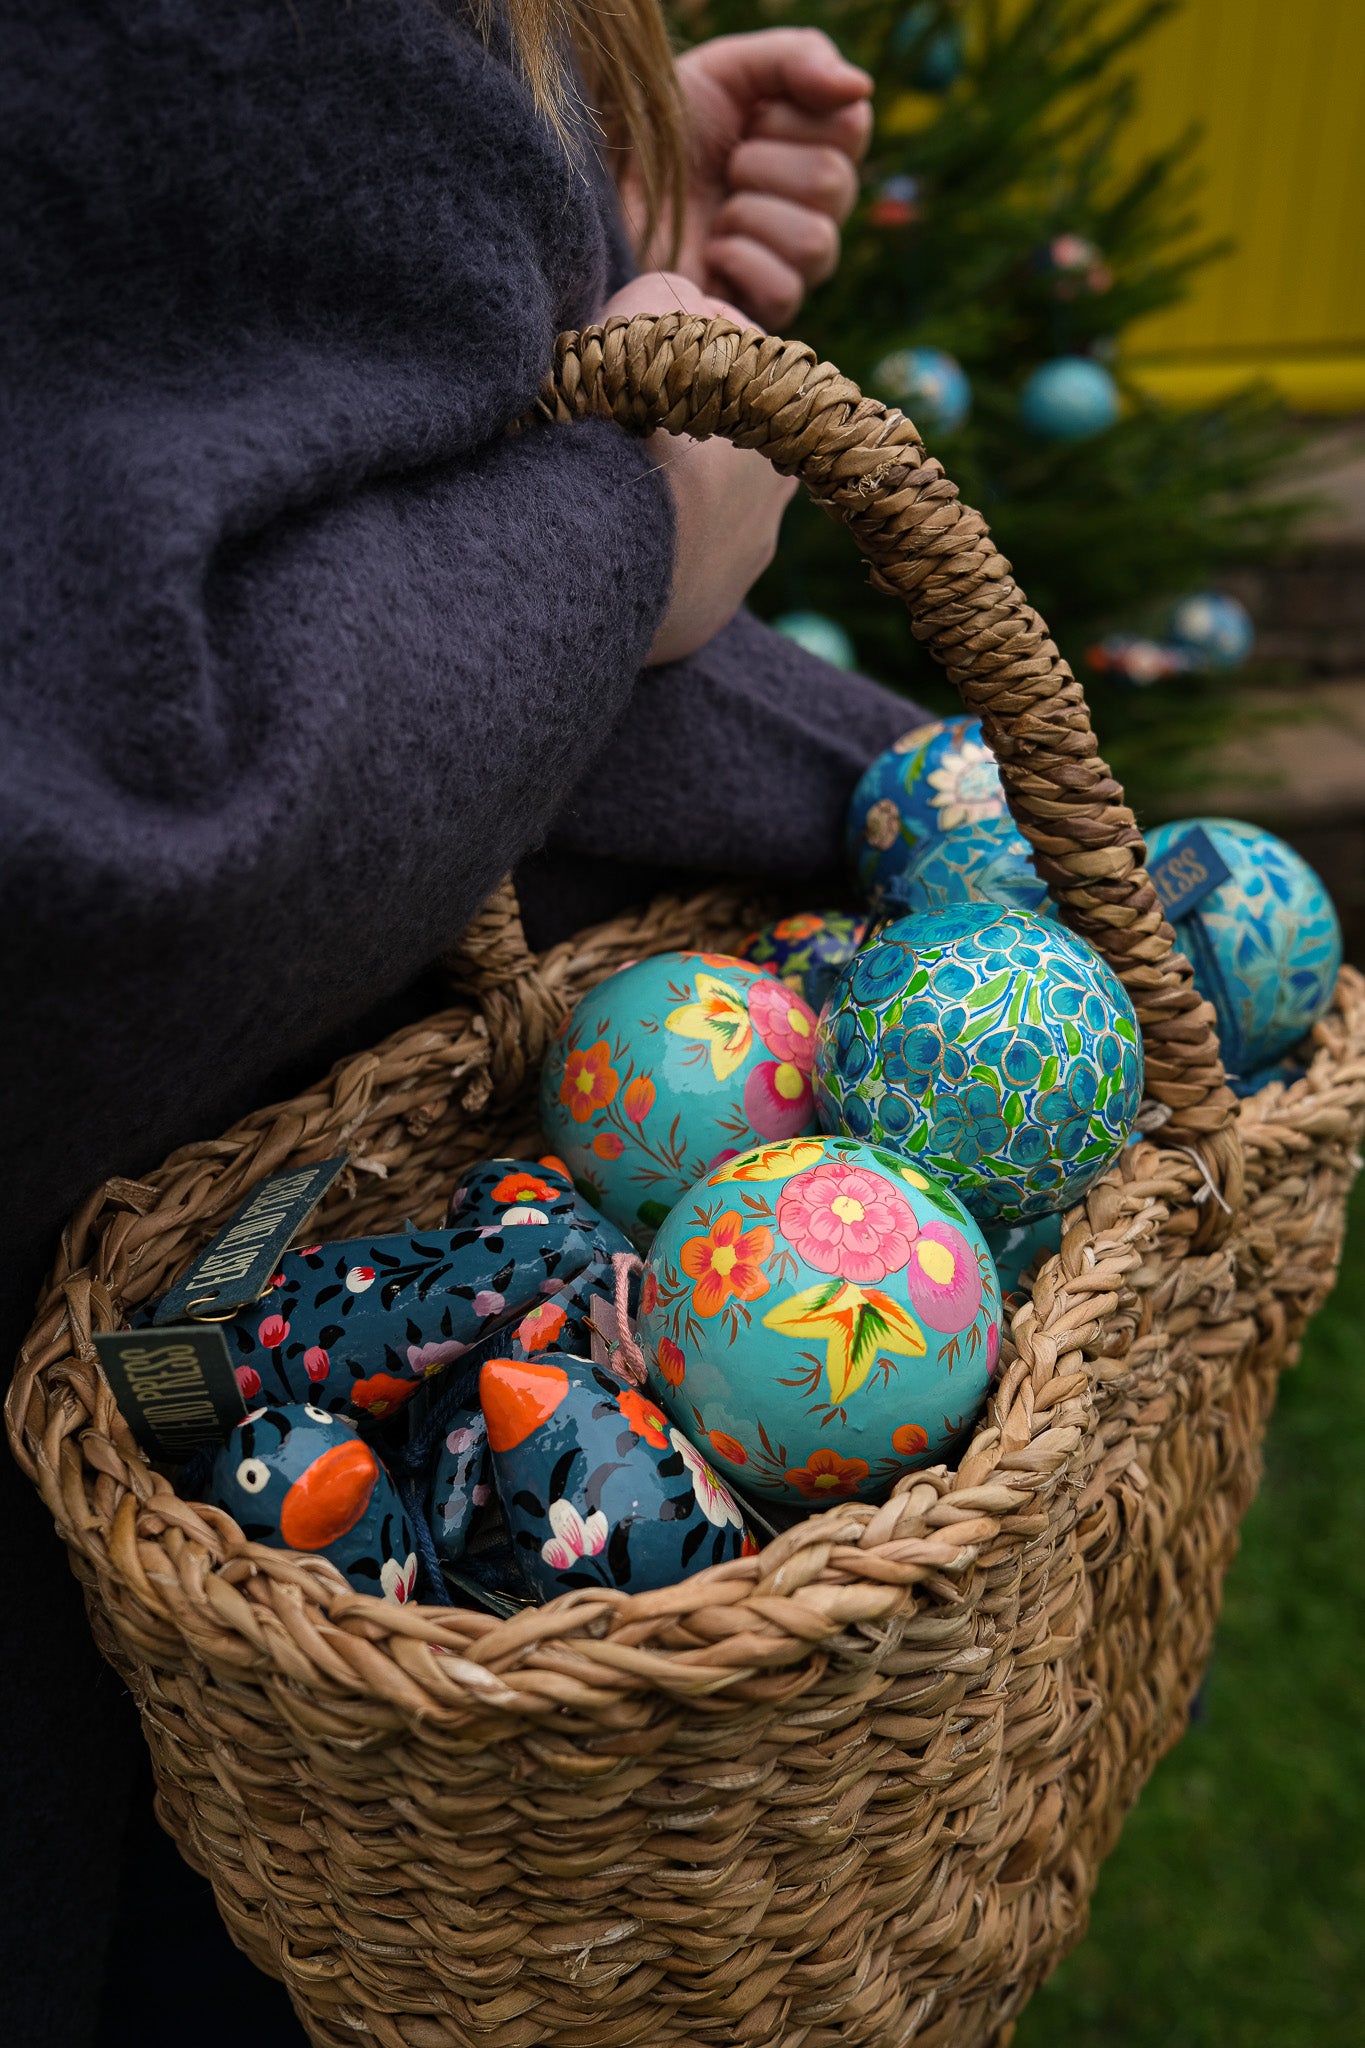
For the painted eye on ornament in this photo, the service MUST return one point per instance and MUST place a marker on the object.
(318, 1414)
(253, 1475)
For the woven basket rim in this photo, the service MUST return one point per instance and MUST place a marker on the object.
(836, 1584)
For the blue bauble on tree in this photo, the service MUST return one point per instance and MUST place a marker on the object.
(1069, 399)
(819, 636)
(935, 40)
(929, 383)
(1216, 630)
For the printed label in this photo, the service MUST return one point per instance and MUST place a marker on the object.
(1187, 872)
(176, 1389)
(236, 1267)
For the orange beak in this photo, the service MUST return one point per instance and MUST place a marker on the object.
(330, 1497)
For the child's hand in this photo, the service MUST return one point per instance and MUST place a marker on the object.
(728, 501)
(777, 121)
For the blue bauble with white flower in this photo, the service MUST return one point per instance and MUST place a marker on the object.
(298, 1478)
(1215, 629)
(991, 1048)
(986, 861)
(668, 1065)
(1264, 943)
(936, 779)
(929, 384)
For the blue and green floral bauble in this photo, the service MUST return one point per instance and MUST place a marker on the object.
(934, 780)
(809, 952)
(820, 1317)
(667, 1066)
(986, 861)
(991, 1048)
(1265, 943)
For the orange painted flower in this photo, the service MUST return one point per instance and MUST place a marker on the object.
(748, 1548)
(540, 1327)
(638, 1099)
(554, 1164)
(522, 1187)
(644, 1418)
(590, 1081)
(672, 1359)
(727, 1261)
(608, 1145)
(909, 1440)
(797, 927)
(827, 1476)
(381, 1394)
(728, 1447)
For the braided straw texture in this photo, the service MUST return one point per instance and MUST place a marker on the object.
(852, 1792)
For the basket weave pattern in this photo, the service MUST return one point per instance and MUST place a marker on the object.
(852, 1792)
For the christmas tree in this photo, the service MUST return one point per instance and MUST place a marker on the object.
(1001, 225)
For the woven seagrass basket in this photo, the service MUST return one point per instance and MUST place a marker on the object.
(852, 1792)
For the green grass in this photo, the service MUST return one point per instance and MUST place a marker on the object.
(1232, 1914)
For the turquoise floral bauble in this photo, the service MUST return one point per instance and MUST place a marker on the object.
(668, 1066)
(994, 1050)
(820, 1317)
(1265, 944)
(809, 952)
(933, 781)
(986, 861)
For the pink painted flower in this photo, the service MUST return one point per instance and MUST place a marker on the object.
(992, 1347)
(272, 1331)
(278, 1280)
(540, 1326)
(777, 1100)
(249, 1380)
(316, 1363)
(429, 1358)
(608, 1145)
(359, 1278)
(943, 1279)
(463, 1439)
(488, 1302)
(574, 1536)
(714, 1499)
(784, 1021)
(843, 1219)
(308, 1251)
(638, 1099)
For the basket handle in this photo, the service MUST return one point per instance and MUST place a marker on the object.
(866, 465)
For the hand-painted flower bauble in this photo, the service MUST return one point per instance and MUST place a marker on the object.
(1215, 630)
(598, 1487)
(822, 637)
(1257, 926)
(1071, 398)
(299, 1478)
(809, 951)
(994, 1050)
(986, 861)
(668, 1065)
(929, 384)
(934, 780)
(823, 1316)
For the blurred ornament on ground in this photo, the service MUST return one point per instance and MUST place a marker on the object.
(1258, 928)
(1074, 265)
(1137, 661)
(933, 780)
(933, 38)
(819, 636)
(1216, 630)
(897, 203)
(808, 951)
(928, 384)
(992, 1049)
(1069, 399)
(822, 1315)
